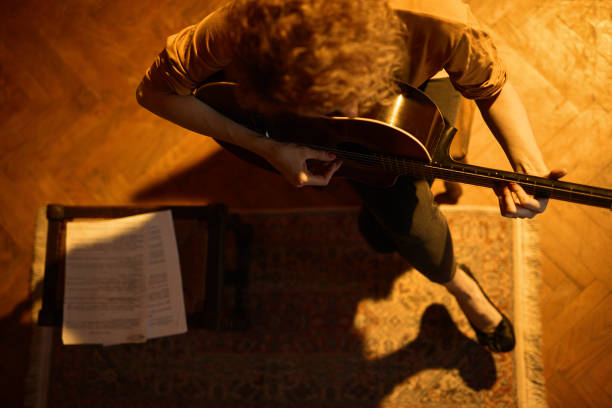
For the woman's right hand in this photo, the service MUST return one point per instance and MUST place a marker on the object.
(289, 159)
(292, 161)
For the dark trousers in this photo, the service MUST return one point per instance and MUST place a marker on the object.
(404, 217)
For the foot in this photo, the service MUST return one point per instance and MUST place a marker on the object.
(493, 329)
(477, 308)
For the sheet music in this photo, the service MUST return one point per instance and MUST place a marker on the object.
(166, 307)
(123, 281)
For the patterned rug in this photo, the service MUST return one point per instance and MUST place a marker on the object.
(334, 324)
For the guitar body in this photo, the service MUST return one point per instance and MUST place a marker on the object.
(410, 127)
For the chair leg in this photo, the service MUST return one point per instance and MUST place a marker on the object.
(458, 150)
(239, 318)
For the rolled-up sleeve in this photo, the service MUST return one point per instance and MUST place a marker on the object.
(456, 44)
(474, 67)
(191, 56)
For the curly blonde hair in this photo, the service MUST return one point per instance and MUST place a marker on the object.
(315, 55)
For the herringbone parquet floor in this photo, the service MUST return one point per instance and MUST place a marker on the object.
(73, 133)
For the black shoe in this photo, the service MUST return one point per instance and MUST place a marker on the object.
(502, 338)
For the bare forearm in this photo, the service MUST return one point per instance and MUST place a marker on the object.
(189, 112)
(505, 115)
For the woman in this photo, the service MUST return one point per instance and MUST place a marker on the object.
(314, 57)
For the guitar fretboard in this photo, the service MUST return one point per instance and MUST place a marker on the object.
(481, 176)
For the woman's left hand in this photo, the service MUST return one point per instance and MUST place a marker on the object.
(514, 202)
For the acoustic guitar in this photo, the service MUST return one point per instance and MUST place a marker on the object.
(407, 137)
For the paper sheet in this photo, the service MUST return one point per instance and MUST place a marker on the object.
(123, 281)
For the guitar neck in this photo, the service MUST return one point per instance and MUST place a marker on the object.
(537, 186)
(486, 177)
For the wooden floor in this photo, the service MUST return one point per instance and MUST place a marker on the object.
(72, 133)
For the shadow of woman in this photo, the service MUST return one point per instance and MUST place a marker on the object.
(309, 287)
(359, 381)
(440, 344)
(304, 348)
(286, 364)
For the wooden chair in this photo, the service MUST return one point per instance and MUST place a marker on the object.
(459, 149)
(213, 247)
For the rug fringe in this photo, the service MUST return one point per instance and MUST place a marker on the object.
(527, 304)
(531, 390)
